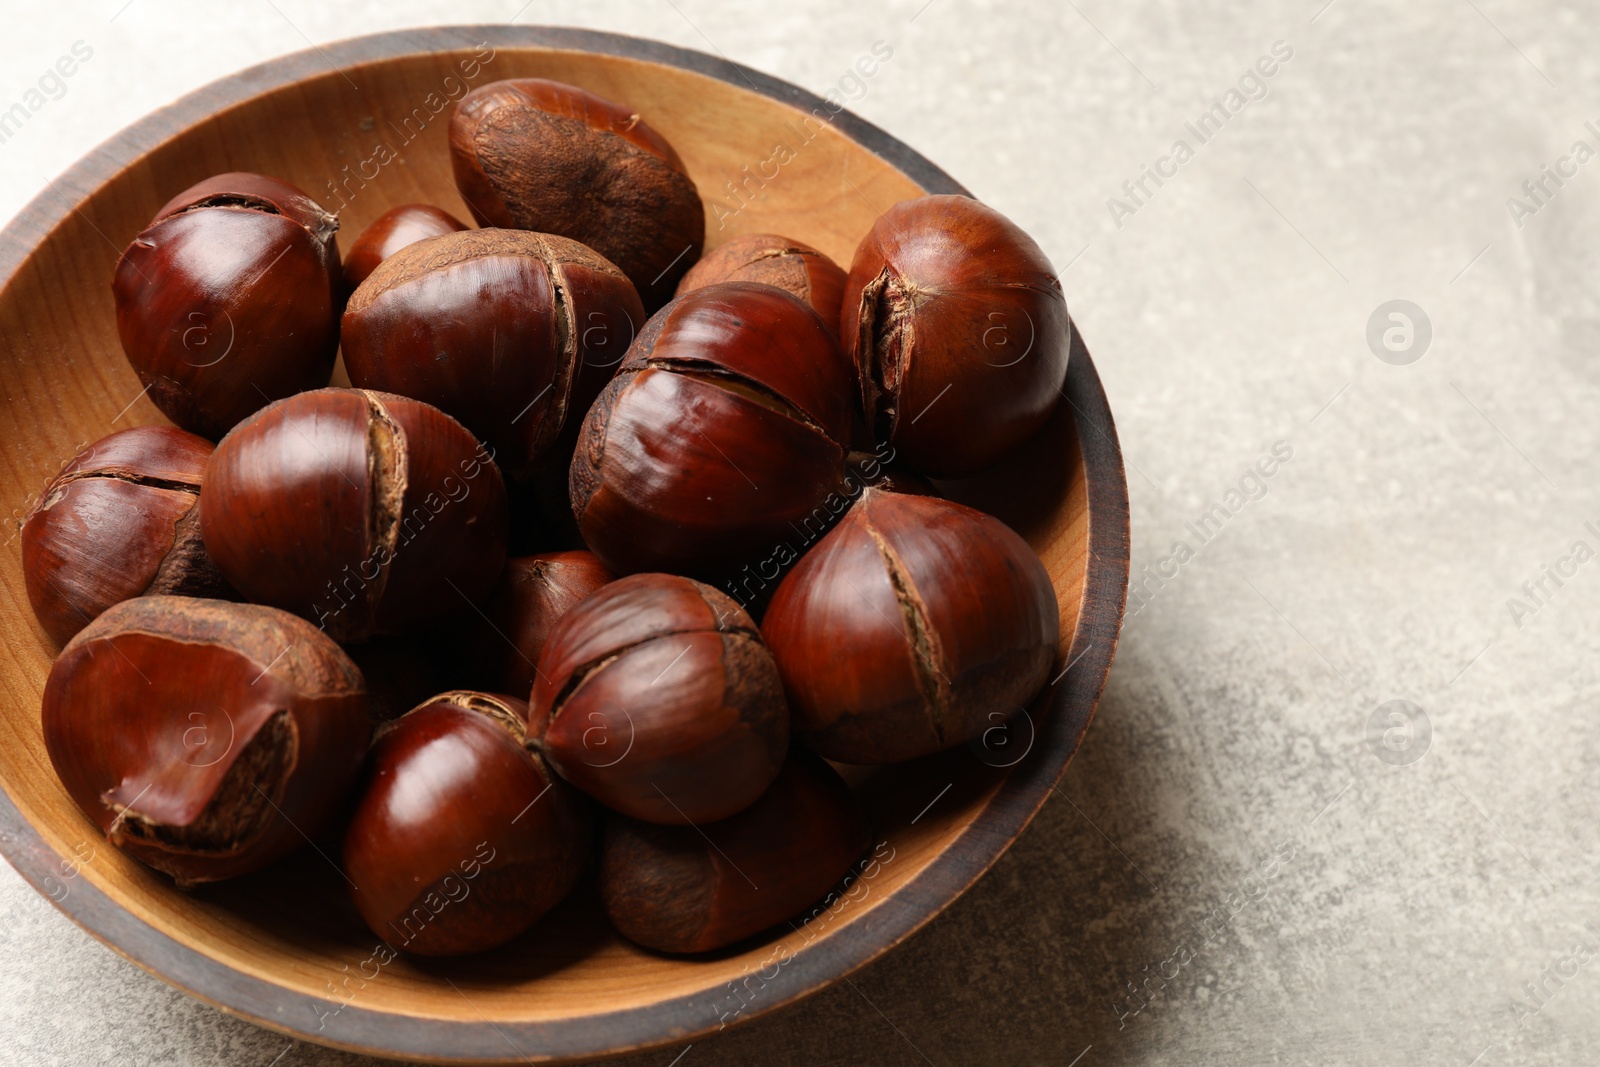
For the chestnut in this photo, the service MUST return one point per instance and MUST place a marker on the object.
(228, 300)
(959, 332)
(119, 521)
(656, 697)
(790, 265)
(392, 231)
(911, 627)
(727, 423)
(365, 512)
(462, 838)
(532, 154)
(205, 738)
(682, 889)
(512, 332)
(502, 642)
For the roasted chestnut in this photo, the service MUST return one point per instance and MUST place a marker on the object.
(513, 333)
(229, 300)
(462, 837)
(531, 154)
(688, 889)
(392, 231)
(119, 521)
(790, 265)
(959, 332)
(727, 423)
(910, 628)
(502, 642)
(206, 738)
(364, 512)
(656, 697)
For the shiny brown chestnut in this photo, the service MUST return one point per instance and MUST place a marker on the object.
(205, 738)
(727, 423)
(119, 521)
(682, 889)
(392, 231)
(913, 626)
(500, 647)
(790, 265)
(959, 332)
(229, 300)
(462, 837)
(362, 511)
(656, 697)
(512, 332)
(531, 154)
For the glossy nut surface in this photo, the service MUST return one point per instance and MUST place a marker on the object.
(392, 231)
(913, 626)
(539, 155)
(363, 512)
(512, 332)
(656, 697)
(793, 266)
(727, 423)
(959, 332)
(500, 648)
(462, 837)
(119, 521)
(228, 300)
(205, 738)
(679, 889)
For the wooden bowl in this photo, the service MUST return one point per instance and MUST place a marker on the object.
(285, 949)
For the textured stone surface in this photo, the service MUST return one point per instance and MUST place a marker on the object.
(1402, 905)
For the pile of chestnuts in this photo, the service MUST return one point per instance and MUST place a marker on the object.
(524, 603)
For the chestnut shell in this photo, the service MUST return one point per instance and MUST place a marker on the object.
(790, 265)
(913, 626)
(390, 232)
(205, 738)
(533, 154)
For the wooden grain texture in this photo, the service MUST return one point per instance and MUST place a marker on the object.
(570, 988)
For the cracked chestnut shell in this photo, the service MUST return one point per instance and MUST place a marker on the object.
(392, 231)
(119, 521)
(364, 512)
(462, 837)
(682, 889)
(959, 331)
(229, 300)
(791, 265)
(656, 697)
(205, 738)
(912, 627)
(727, 423)
(500, 647)
(512, 332)
(532, 154)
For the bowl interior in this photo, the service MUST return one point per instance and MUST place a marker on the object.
(361, 140)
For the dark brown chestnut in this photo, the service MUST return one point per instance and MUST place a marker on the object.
(462, 837)
(531, 154)
(512, 332)
(959, 332)
(501, 644)
(656, 697)
(727, 423)
(229, 300)
(364, 512)
(205, 738)
(790, 265)
(392, 231)
(683, 889)
(912, 627)
(119, 521)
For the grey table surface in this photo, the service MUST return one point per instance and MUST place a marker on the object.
(1336, 804)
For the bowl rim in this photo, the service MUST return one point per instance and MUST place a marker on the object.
(813, 967)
